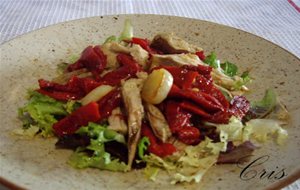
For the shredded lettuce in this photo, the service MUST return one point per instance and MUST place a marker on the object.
(244, 79)
(151, 172)
(111, 39)
(73, 58)
(41, 111)
(99, 134)
(71, 106)
(126, 34)
(61, 68)
(29, 132)
(233, 131)
(256, 129)
(262, 129)
(190, 165)
(82, 160)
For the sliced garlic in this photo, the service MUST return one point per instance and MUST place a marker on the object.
(96, 94)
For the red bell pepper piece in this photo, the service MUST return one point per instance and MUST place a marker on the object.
(61, 96)
(218, 95)
(156, 146)
(189, 135)
(180, 124)
(189, 79)
(183, 78)
(201, 69)
(144, 43)
(93, 59)
(88, 84)
(203, 84)
(128, 69)
(176, 117)
(188, 106)
(201, 55)
(202, 99)
(74, 89)
(221, 117)
(70, 86)
(109, 102)
(80, 117)
(239, 106)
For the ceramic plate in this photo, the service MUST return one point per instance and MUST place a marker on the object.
(36, 164)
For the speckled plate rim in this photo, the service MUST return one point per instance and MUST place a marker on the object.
(277, 185)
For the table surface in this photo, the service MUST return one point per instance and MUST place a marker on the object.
(275, 20)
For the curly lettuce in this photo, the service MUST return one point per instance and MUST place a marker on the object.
(190, 165)
(260, 130)
(94, 155)
(41, 112)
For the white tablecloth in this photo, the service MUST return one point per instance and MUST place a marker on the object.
(275, 20)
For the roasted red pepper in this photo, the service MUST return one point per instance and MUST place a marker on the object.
(201, 55)
(61, 96)
(201, 69)
(93, 59)
(156, 146)
(206, 102)
(180, 124)
(189, 135)
(203, 84)
(188, 106)
(145, 44)
(219, 117)
(217, 94)
(80, 117)
(74, 89)
(128, 69)
(176, 117)
(109, 102)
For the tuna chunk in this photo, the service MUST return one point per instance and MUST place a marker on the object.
(175, 60)
(158, 122)
(133, 103)
(168, 43)
(116, 121)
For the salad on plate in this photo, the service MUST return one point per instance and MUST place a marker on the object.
(163, 104)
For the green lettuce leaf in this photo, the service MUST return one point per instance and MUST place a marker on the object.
(99, 134)
(71, 106)
(143, 146)
(265, 105)
(41, 111)
(82, 160)
(212, 60)
(229, 69)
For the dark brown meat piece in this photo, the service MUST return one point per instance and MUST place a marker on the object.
(171, 44)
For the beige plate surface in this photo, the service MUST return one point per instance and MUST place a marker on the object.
(36, 163)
